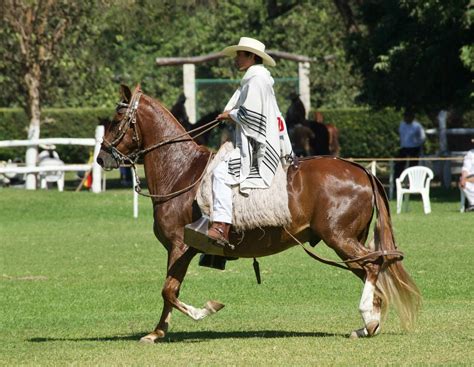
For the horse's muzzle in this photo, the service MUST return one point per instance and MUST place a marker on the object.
(106, 160)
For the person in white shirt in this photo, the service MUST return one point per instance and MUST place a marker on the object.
(261, 135)
(412, 137)
(466, 181)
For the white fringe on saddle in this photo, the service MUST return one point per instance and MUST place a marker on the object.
(262, 208)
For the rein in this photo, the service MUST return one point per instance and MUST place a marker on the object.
(130, 120)
(166, 197)
(370, 257)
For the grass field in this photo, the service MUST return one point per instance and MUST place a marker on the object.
(80, 283)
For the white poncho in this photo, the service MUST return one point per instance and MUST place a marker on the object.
(261, 134)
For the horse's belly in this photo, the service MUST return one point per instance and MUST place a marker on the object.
(259, 242)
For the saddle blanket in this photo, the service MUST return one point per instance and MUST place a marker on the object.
(261, 208)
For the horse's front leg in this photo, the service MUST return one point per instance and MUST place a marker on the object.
(179, 259)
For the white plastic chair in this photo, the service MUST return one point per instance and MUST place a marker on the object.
(52, 176)
(419, 179)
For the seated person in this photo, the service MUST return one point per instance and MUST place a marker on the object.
(466, 181)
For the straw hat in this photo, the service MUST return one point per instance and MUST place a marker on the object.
(251, 45)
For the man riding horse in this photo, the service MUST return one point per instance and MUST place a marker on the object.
(261, 135)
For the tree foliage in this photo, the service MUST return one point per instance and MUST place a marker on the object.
(120, 40)
(37, 39)
(409, 52)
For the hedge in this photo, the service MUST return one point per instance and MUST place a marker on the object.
(363, 133)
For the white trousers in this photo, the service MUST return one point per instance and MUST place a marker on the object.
(222, 193)
(469, 192)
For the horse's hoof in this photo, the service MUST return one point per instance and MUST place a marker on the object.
(152, 337)
(213, 306)
(373, 328)
(360, 333)
(147, 340)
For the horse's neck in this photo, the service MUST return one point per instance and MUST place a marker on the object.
(169, 166)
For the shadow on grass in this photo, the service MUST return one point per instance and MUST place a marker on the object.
(200, 336)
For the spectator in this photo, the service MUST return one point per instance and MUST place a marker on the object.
(412, 137)
(48, 151)
(126, 176)
(466, 181)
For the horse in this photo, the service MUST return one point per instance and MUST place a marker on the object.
(330, 200)
(319, 142)
(179, 112)
(308, 137)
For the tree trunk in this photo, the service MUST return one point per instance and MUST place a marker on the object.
(32, 79)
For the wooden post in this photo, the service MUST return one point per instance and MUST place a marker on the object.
(305, 94)
(373, 167)
(391, 179)
(135, 195)
(189, 87)
(443, 147)
(96, 169)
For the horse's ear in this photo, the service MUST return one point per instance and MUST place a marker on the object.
(138, 88)
(125, 93)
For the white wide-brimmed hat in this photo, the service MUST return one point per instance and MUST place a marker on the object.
(251, 45)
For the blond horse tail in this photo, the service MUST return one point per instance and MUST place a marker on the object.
(394, 284)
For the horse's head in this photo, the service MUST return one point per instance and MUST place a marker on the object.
(121, 136)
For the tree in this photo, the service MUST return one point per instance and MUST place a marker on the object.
(38, 29)
(408, 52)
(119, 44)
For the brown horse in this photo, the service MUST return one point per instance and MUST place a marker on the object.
(330, 199)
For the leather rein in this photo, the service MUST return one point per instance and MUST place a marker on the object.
(130, 121)
(386, 257)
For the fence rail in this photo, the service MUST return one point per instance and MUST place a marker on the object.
(33, 169)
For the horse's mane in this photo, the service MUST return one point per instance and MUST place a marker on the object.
(161, 109)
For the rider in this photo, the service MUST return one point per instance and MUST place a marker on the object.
(261, 135)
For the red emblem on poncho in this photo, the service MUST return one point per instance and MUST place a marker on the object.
(281, 125)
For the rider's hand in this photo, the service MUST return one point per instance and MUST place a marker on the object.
(224, 116)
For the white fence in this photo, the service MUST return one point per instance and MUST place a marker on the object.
(33, 170)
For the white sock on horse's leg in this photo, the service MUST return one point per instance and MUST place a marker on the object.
(211, 307)
(366, 307)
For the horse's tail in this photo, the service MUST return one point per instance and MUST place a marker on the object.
(394, 285)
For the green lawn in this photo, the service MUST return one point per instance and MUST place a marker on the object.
(80, 283)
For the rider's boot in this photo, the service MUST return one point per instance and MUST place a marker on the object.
(219, 231)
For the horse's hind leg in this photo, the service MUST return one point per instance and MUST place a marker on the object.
(370, 303)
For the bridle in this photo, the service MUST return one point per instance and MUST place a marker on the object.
(130, 121)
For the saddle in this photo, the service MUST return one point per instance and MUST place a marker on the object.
(260, 208)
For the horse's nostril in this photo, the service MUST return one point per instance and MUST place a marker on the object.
(100, 161)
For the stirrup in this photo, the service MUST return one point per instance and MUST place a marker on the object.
(195, 235)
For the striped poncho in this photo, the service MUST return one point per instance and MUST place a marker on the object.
(261, 134)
